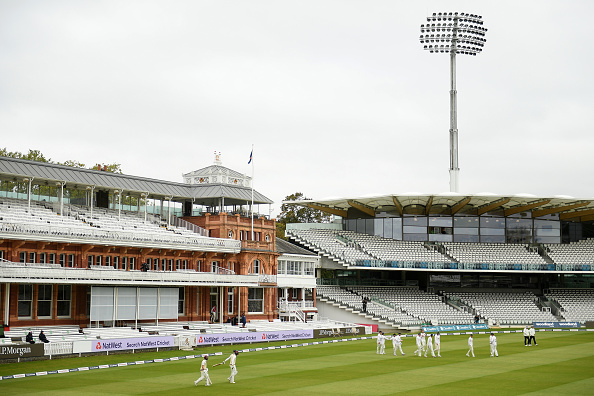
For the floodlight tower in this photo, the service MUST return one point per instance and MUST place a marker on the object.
(453, 33)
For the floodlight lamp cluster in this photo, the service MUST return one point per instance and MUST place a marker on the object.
(453, 33)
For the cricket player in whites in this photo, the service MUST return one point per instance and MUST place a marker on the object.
(470, 346)
(493, 344)
(397, 344)
(430, 346)
(438, 344)
(381, 343)
(233, 359)
(423, 340)
(419, 350)
(203, 372)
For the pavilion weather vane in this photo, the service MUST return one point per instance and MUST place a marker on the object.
(453, 33)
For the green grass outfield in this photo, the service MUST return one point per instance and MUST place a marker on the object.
(562, 363)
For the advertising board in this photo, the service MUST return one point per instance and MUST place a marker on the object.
(122, 344)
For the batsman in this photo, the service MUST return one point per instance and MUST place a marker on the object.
(232, 359)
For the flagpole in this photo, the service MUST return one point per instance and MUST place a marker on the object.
(252, 159)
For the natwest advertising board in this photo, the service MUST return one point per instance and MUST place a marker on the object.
(253, 336)
(122, 344)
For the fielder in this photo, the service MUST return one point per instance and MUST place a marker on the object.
(423, 341)
(438, 344)
(381, 343)
(430, 346)
(419, 350)
(232, 359)
(204, 372)
(493, 344)
(397, 344)
(470, 346)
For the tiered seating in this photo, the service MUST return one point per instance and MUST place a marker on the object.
(123, 221)
(332, 244)
(507, 308)
(421, 305)
(354, 302)
(577, 305)
(581, 252)
(496, 253)
(53, 333)
(17, 216)
(18, 211)
(392, 250)
(342, 296)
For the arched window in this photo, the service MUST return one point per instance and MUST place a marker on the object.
(255, 267)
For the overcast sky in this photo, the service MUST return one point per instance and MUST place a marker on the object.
(338, 97)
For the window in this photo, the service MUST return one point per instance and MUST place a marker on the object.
(256, 300)
(108, 261)
(62, 259)
(124, 262)
(99, 260)
(295, 294)
(32, 257)
(230, 234)
(185, 264)
(25, 301)
(44, 301)
(42, 258)
(132, 263)
(255, 268)
(116, 260)
(177, 264)
(281, 268)
(91, 260)
(230, 300)
(181, 301)
(52, 258)
(170, 265)
(64, 296)
(23, 257)
(71, 260)
(267, 237)
(308, 269)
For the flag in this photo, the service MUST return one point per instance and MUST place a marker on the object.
(250, 161)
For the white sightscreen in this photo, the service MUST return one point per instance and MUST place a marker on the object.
(102, 303)
(169, 297)
(126, 303)
(151, 302)
(147, 303)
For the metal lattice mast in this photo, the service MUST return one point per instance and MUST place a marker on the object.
(453, 33)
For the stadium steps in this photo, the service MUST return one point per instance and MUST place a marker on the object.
(543, 253)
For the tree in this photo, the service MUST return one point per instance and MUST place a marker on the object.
(36, 155)
(298, 214)
(114, 168)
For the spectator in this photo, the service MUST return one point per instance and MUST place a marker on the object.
(213, 313)
(42, 337)
(243, 320)
(29, 338)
